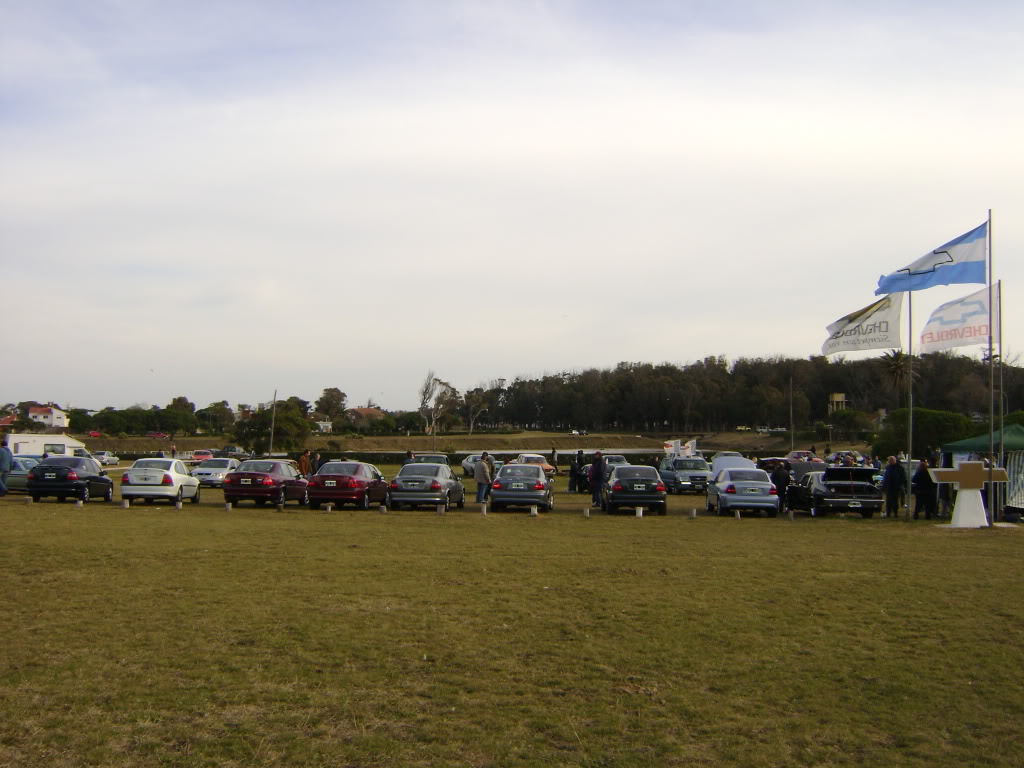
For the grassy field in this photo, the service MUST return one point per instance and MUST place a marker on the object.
(153, 637)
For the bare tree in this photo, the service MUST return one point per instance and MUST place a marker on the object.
(437, 397)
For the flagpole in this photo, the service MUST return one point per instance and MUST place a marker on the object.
(991, 383)
(1002, 408)
(910, 394)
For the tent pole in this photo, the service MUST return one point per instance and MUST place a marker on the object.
(991, 386)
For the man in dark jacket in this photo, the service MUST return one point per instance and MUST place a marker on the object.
(923, 488)
(780, 477)
(596, 479)
(894, 482)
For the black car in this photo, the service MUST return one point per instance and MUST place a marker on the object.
(836, 489)
(64, 476)
(634, 486)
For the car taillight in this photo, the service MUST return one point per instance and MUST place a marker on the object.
(659, 487)
(31, 475)
(125, 480)
(314, 483)
(435, 486)
(730, 489)
(394, 484)
(267, 480)
(774, 491)
(497, 485)
(538, 486)
(229, 478)
(353, 483)
(168, 480)
(72, 475)
(617, 487)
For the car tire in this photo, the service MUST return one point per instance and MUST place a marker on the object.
(365, 502)
(180, 497)
(305, 498)
(461, 504)
(281, 498)
(447, 502)
(707, 505)
(550, 506)
(83, 495)
(108, 495)
(196, 496)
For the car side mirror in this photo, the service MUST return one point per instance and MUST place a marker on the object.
(103, 473)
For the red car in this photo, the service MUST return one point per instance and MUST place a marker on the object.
(266, 480)
(158, 435)
(201, 455)
(94, 433)
(348, 482)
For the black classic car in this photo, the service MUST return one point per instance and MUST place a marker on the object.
(836, 489)
(64, 476)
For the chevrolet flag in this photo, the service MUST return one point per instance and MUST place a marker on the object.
(960, 323)
(877, 326)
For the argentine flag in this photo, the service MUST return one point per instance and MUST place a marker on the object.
(959, 261)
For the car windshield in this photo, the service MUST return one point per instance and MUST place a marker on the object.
(215, 464)
(631, 473)
(531, 459)
(422, 470)
(690, 464)
(519, 470)
(152, 464)
(339, 468)
(615, 460)
(257, 466)
(430, 459)
(749, 476)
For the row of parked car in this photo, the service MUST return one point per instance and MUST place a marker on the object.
(730, 483)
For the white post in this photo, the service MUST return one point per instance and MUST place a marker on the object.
(693, 513)
(28, 499)
(328, 508)
(586, 511)
(227, 506)
(125, 503)
(280, 507)
(533, 511)
(790, 513)
(639, 511)
(177, 505)
(78, 503)
(483, 509)
(382, 509)
(440, 509)
(738, 515)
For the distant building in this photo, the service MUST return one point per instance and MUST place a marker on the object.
(49, 415)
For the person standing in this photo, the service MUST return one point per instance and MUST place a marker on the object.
(780, 477)
(554, 459)
(894, 481)
(484, 477)
(574, 473)
(316, 462)
(6, 464)
(305, 468)
(596, 479)
(409, 459)
(923, 488)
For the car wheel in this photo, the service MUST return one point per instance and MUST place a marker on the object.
(280, 499)
(707, 505)
(387, 501)
(195, 496)
(84, 495)
(447, 502)
(365, 503)
(108, 495)
(305, 498)
(180, 496)
(461, 504)
(551, 503)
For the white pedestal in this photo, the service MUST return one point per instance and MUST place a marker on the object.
(969, 511)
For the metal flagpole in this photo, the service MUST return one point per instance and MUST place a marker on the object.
(1002, 408)
(910, 395)
(273, 416)
(791, 436)
(991, 384)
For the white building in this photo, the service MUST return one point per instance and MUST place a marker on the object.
(49, 415)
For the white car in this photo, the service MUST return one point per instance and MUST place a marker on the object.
(152, 479)
(105, 457)
(469, 464)
(211, 472)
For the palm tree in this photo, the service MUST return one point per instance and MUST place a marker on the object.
(899, 369)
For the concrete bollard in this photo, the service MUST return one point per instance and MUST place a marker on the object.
(483, 509)
(280, 507)
(440, 509)
(639, 511)
(328, 508)
(177, 505)
(28, 499)
(125, 503)
(227, 506)
(789, 514)
(738, 515)
(693, 513)
(382, 509)
(586, 511)
(533, 511)
(78, 503)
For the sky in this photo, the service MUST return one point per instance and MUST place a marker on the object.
(220, 199)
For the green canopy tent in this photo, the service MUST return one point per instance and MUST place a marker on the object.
(1012, 434)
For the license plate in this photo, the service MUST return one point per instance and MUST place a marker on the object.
(330, 483)
(246, 481)
(518, 485)
(639, 487)
(753, 490)
(854, 503)
(50, 475)
(412, 485)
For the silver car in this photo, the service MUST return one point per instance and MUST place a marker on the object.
(522, 485)
(469, 464)
(211, 472)
(743, 488)
(19, 472)
(427, 484)
(105, 457)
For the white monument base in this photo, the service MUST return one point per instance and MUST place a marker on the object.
(969, 510)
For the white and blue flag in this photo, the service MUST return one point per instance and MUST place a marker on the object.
(959, 261)
(960, 323)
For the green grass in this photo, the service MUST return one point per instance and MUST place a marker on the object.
(153, 637)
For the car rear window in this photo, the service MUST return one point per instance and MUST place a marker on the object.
(749, 476)
(216, 463)
(339, 468)
(257, 466)
(420, 470)
(630, 473)
(690, 464)
(67, 461)
(519, 470)
(151, 464)
(615, 460)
